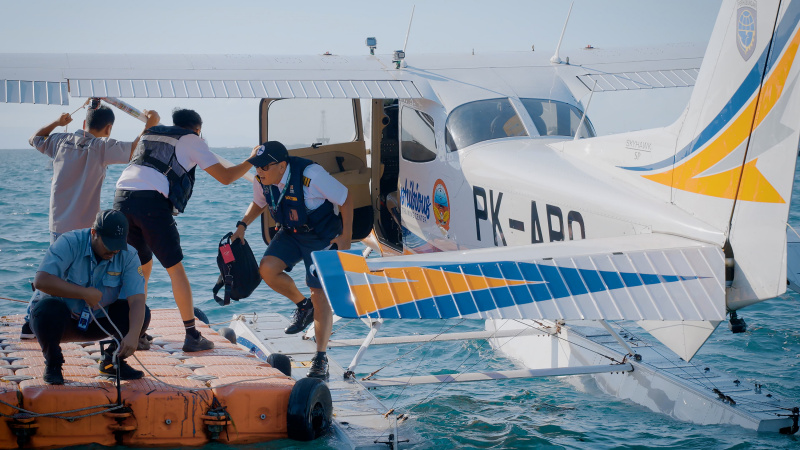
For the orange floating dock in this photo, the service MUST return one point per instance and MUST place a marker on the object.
(187, 399)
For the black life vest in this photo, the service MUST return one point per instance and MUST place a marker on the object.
(291, 212)
(156, 150)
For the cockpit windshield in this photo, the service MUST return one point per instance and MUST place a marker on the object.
(556, 118)
(484, 120)
(481, 121)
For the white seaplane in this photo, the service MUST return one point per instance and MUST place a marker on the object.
(480, 181)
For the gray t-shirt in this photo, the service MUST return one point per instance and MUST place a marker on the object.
(79, 168)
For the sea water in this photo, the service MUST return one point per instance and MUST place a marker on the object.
(531, 413)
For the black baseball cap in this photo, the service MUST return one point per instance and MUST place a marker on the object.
(269, 152)
(112, 226)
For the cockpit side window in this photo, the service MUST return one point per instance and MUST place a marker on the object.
(481, 121)
(417, 136)
(557, 118)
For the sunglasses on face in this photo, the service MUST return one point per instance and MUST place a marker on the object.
(268, 166)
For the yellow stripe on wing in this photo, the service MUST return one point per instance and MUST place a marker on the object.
(396, 286)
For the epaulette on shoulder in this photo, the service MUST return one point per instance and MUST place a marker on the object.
(306, 181)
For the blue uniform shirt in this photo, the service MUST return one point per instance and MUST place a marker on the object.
(71, 258)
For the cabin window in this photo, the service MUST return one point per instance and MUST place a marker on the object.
(417, 138)
(557, 118)
(299, 123)
(481, 121)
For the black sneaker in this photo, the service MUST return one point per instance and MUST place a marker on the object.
(27, 331)
(301, 318)
(197, 344)
(126, 372)
(53, 375)
(319, 368)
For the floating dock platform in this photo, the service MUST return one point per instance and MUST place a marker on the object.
(224, 395)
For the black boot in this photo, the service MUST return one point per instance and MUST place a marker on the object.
(52, 374)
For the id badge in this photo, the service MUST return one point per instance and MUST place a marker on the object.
(227, 253)
(86, 317)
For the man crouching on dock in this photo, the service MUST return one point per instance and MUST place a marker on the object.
(83, 271)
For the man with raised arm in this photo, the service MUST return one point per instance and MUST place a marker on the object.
(79, 169)
(84, 275)
(302, 198)
(158, 181)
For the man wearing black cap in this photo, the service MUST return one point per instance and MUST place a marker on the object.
(88, 279)
(302, 198)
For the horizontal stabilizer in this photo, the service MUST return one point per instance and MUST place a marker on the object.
(646, 277)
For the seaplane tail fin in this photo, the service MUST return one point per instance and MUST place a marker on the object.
(644, 277)
(737, 142)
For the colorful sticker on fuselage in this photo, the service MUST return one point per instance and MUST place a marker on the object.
(441, 205)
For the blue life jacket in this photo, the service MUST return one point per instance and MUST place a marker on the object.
(156, 149)
(291, 212)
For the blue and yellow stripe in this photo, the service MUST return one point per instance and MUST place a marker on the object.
(745, 111)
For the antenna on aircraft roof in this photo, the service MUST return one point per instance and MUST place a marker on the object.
(399, 55)
(555, 59)
(408, 32)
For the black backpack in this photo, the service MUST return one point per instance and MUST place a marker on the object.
(238, 270)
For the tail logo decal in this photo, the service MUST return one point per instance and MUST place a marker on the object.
(746, 28)
(708, 171)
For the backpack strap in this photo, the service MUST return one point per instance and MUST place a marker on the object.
(225, 278)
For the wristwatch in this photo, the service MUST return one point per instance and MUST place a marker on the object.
(242, 224)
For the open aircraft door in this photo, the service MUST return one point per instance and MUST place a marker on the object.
(340, 150)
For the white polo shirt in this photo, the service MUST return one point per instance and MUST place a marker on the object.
(190, 151)
(322, 187)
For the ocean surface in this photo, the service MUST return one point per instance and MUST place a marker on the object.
(501, 414)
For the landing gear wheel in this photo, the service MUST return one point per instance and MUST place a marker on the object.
(280, 362)
(201, 315)
(310, 410)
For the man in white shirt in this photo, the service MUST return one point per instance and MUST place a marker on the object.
(302, 198)
(158, 181)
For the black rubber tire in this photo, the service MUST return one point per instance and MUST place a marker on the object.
(310, 410)
(201, 315)
(228, 333)
(280, 362)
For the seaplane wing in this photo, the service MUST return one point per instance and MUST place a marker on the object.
(54, 78)
(643, 277)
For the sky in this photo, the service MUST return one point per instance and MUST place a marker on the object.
(339, 27)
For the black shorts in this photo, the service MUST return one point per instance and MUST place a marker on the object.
(291, 248)
(151, 226)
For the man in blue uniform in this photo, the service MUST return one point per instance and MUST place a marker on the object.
(302, 198)
(88, 279)
(79, 169)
